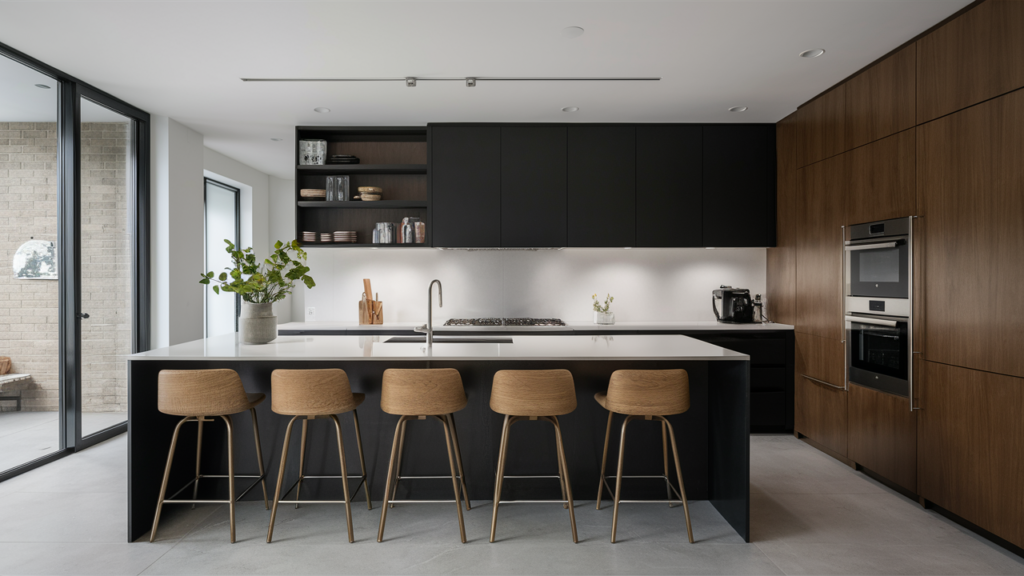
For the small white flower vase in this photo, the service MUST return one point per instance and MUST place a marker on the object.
(604, 317)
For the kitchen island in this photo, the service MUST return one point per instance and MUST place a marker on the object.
(713, 435)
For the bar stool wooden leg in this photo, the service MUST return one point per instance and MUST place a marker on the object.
(199, 453)
(458, 457)
(391, 475)
(679, 472)
(618, 477)
(455, 481)
(231, 473)
(362, 461)
(664, 451)
(280, 477)
(344, 478)
(604, 460)
(565, 475)
(167, 475)
(501, 473)
(302, 459)
(398, 465)
(259, 457)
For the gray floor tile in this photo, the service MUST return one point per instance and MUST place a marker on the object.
(856, 558)
(77, 558)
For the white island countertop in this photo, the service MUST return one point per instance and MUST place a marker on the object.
(523, 347)
(694, 326)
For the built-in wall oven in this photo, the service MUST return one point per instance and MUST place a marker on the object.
(878, 306)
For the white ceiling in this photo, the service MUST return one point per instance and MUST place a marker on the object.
(185, 59)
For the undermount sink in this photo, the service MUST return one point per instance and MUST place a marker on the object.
(450, 340)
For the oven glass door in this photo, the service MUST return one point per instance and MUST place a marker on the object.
(879, 272)
(879, 357)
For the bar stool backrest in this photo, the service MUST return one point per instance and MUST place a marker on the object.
(424, 392)
(649, 392)
(533, 392)
(200, 392)
(310, 392)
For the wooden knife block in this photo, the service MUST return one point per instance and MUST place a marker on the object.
(371, 312)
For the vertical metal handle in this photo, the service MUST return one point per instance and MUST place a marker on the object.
(842, 303)
(910, 318)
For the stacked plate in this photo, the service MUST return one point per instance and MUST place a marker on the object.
(325, 236)
(345, 236)
(308, 236)
(342, 159)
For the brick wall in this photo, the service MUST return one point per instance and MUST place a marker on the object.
(28, 308)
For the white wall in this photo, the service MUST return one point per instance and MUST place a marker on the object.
(176, 218)
(649, 285)
(282, 227)
(255, 190)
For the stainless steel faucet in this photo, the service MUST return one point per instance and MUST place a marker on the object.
(430, 311)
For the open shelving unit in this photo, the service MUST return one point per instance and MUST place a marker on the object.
(392, 158)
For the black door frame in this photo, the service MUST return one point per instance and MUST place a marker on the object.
(70, 90)
(237, 240)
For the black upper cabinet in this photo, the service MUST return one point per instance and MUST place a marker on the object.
(533, 186)
(668, 186)
(739, 185)
(602, 186)
(465, 174)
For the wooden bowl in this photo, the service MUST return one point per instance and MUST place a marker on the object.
(371, 189)
(314, 193)
(367, 197)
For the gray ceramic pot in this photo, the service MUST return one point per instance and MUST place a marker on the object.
(257, 323)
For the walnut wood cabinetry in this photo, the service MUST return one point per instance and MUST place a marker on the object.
(781, 279)
(971, 447)
(880, 180)
(883, 435)
(971, 188)
(821, 127)
(977, 56)
(821, 409)
(880, 101)
(820, 248)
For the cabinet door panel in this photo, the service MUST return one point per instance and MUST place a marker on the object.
(781, 270)
(533, 186)
(821, 124)
(465, 173)
(881, 179)
(971, 188)
(974, 57)
(971, 447)
(739, 185)
(602, 186)
(668, 186)
(883, 435)
(820, 249)
(820, 358)
(880, 101)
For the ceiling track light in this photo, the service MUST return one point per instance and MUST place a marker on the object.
(410, 81)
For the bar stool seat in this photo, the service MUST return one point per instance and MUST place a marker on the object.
(533, 395)
(309, 395)
(415, 395)
(200, 396)
(650, 395)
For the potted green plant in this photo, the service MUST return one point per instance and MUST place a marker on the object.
(602, 313)
(260, 284)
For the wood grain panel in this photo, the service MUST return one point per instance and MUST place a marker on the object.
(881, 101)
(820, 210)
(821, 124)
(977, 56)
(780, 301)
(820, 411)
(820, 358)
(970, 180)
(882, 435)
(881, 179)
(971, 447)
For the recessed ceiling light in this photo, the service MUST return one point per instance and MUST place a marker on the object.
(322, 110)
(738, 109)
(277, 139)
(812, 53)
(42, 86)
(572, 32)
(570, 109)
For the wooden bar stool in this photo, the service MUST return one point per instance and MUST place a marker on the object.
(647, 394)
(533, 395)
(312, 394)
(200, 396)
(414, 395)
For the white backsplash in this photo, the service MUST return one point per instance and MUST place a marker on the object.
(649, 285)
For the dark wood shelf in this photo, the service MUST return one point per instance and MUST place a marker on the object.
(359, 204)
(360, 245)
(363, 169)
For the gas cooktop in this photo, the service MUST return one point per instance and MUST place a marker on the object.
(504, 322)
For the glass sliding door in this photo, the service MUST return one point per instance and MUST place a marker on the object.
(105, 253)
(222, 223)
(30, 384)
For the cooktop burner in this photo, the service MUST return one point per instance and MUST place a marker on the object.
(504, 322)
